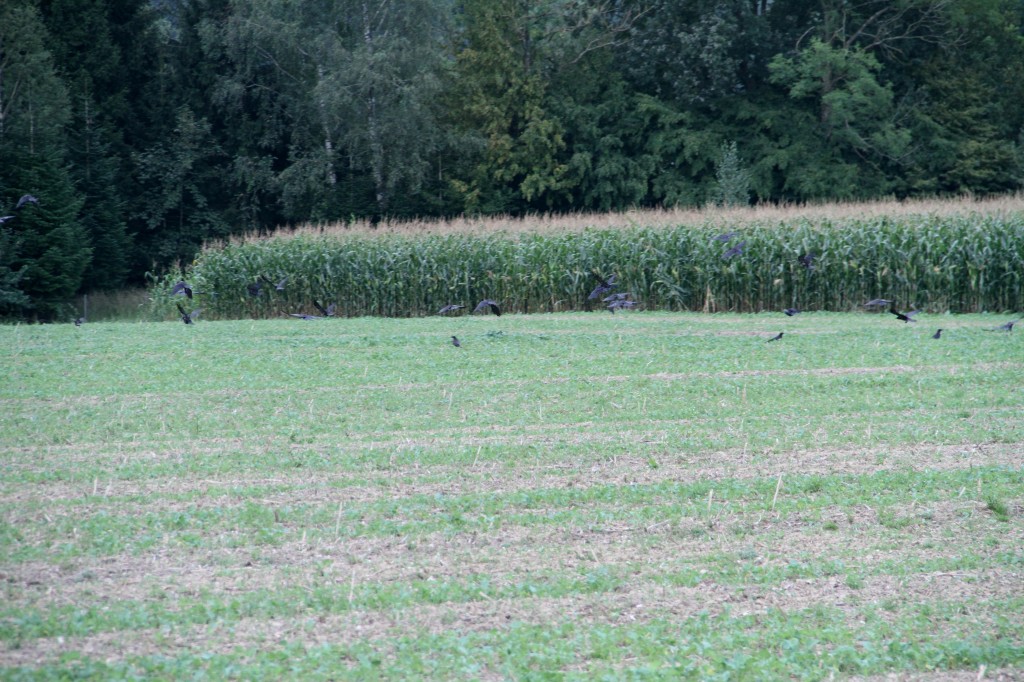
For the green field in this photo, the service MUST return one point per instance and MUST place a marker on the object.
(567, 496)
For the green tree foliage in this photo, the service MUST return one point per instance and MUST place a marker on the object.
(732, 179)
(101, 49)
(176, 176)
(50, 246)
(849, 122)
(164, 124)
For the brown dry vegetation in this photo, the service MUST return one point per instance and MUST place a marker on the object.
(765, 213)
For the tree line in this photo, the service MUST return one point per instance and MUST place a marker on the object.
(145, 127)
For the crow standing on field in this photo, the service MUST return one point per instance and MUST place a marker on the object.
(937, 334)
(1008, 327)
(487, 303)
(790, 312)
(455, 342)
(776, 337)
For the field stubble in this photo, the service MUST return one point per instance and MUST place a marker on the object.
(565, 495)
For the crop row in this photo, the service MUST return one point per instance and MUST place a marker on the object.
(959, 263)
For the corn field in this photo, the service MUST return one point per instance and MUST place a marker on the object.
(956, 263)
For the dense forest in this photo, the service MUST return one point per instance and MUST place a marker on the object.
(144, 127)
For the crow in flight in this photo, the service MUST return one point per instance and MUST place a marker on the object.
(455, 342)
(326, 312)
(451, 307)
(734, 251)
(807, 260)
(903, 317)
(254, 288)
(27, 199)
(724, 237)
(877, 303)
(776, 337)
(5, 218)
(188, 317)
(937, 334)
(182, 288)
(790, 312)
(604, 287)
(620, 303)
(484, 304)
(621, 296)
(304, 316)
(279, 285)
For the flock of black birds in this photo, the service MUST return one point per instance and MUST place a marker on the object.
(615, 300)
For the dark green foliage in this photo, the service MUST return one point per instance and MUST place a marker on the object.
(52, 246)
(963, 264)
(189, 120)
(12, 299)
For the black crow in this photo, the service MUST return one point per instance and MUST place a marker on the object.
(27, 199)
(877, 303)
(79, 321)
(937, 334)
(254, 288)
(620, 303)
(5, 218)
(182, 288)
(278, 285)
(304, 316)
(776, 337)
(188, 317)
(807, 260)
(455, 342)
(734, 251)
(1008, 327)
(724, 237)
(326, 312)
(484, 304)
(604, 287)
(790, 312)
(903, 317)
(451, 307)
(621, 296)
